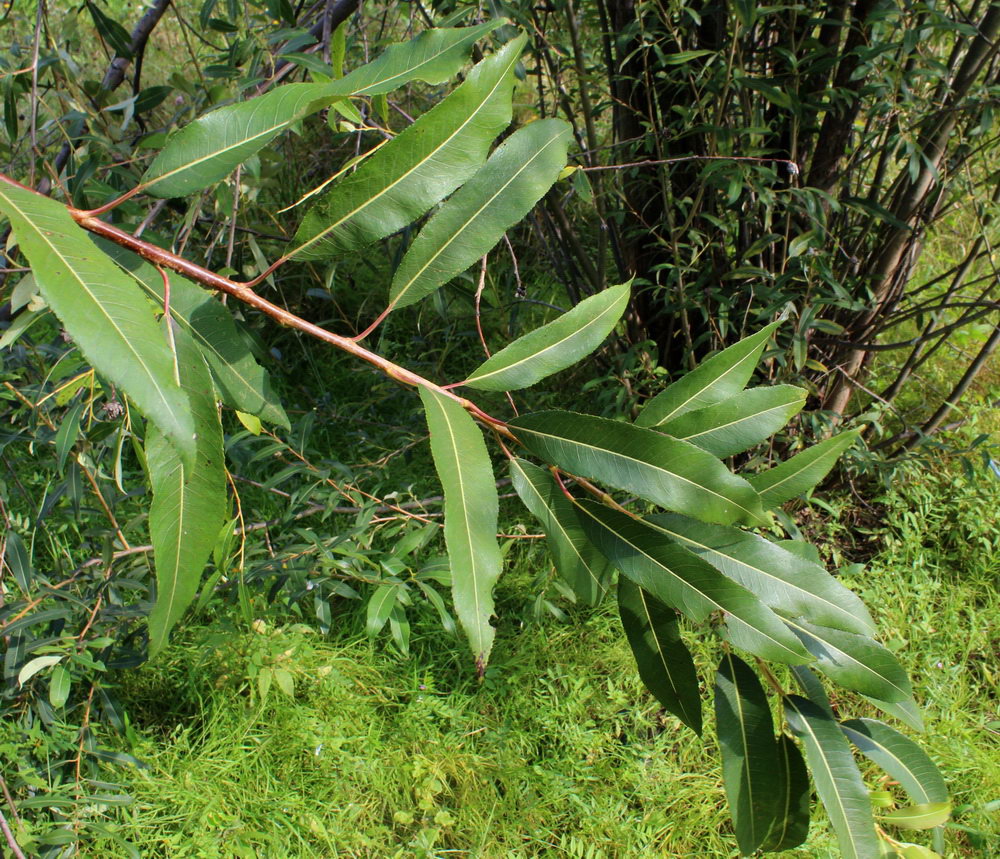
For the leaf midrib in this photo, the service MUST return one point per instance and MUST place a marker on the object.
(744, 419)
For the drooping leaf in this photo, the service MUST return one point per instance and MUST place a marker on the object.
(739, 423)
(419, 167)
(470, 516)
(791, 820)
(836, 777)
(925, 816)
(751, 769)
(684, 581)
(855, 661)
(582, 566)
(900, 757)
(802, 472)
(665, 664)
(243, 384)
(102, 309)
(668, 472)
(906, 711)
(210, 148)
(786, 582)
(502, 191)
(720, 377)
(189, 501)
(554, 346)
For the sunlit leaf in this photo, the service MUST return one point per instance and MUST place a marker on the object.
(471, 222)
(802, 472)
(470, 516)
(924, 816)
(555, 346)
(900, 757)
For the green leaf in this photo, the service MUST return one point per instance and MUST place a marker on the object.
(751, 769)
(60, 683)
(665, 664)
(214, 145)
(18, 561)
(102, 309)
(668, 472)
(924, 816)
(68, 430)
(419, 167)
(720, 377)
(791, 820)
(836, 777)
(500, 194)
(33, 666)
(111, 31)
(189, 502)
(740, 422)
(379, 607)
(556, 345)
(855, 661)
(786, 582)
(802, 472)
(582, 566)
(684, 581)
(243, 384)
(900, 757)
(470, 516)
(906, 711)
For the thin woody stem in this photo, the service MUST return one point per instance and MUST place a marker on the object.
(243, 292)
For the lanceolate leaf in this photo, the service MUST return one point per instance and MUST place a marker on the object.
(671, 473)
(836, 777)
(102, 309)
(720, 377)
(786, 582)
(665, 664)
(417, 168)
(243, 384)
(583, 567)
(684, 581)
(555, 346)
(751, 769)
(470, 516)
(925, 816)
(802, 472)
(791, 818)
(501, 192)
(900, 757)
(212, 146)
(740, 422)
(854, 661)
(189, 502)
(906, 711)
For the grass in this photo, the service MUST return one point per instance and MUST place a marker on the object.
(559, 752)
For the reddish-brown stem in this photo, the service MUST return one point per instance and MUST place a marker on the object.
(378, 321)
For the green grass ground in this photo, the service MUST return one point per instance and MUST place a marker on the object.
(559, 752)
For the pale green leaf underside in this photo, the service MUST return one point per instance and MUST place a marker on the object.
(470, 516)
(668, 472)
(584, 568)
(189, 501)
(717, 379)
(788, 583)
(419, 167)
(556, 345)
(212, 146)
(665, 664)
(802, 472)
(243, 384)
(739, 423)
(102, 308)
(469, 224)
(684, 581)
(836, 777)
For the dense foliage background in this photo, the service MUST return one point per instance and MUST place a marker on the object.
(833, 164)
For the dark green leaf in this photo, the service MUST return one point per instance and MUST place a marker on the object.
(720, 377)
(583, 567)
(802, 472)
(60, 682)
(684, 581)
(671, 473)
(470, 516)
(900, 757)
(791, 821)
(68, 430)
(739, 423)
(836, 777)
(665, 664)
(18, 561)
